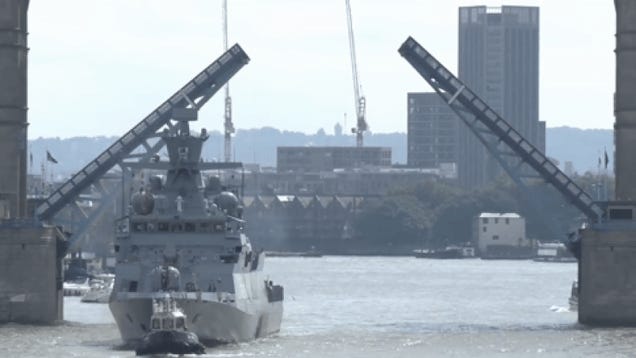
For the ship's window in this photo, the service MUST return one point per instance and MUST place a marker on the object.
(189, 227)
(621, 214)
(176, 227)
(180, 323)
(163, 226)
(132, 286)
(229, 259)
(156, 324)
(183, 153)
(167, 323)
(204, 227)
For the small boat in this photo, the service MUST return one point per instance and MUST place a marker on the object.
(76, 288)
(449, 252)
(553, 252)
(574, 297)
(293, 254)
(100, 289)
(168, 331)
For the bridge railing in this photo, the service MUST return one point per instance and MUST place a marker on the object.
(192, 95)
(461, 96)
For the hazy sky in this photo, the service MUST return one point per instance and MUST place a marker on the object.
(98, 67)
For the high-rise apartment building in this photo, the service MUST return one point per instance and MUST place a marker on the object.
(499, 60)
(432, 136)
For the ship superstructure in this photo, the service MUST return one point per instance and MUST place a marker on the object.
(184, 235)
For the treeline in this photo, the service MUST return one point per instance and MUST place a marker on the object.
(436, 214)
(582, 147)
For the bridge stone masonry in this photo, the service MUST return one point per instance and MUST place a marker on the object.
(607, 267)
(30, 252)
(606, 247)
(31, 248)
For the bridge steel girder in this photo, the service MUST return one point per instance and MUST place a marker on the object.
(462, 100)
(191, 96)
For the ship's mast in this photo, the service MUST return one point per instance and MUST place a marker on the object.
(228, 125)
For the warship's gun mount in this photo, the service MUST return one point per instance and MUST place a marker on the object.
(184, 192)
(140, 144)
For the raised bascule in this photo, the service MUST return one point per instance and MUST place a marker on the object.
(505, 143)
(606, 246)
(29, 245)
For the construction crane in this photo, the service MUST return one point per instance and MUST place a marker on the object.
(228, 125)
(135, 144)
(361, 108)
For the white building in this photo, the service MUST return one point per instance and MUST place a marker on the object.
(502, 235)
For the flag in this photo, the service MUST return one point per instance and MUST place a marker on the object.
(50, 158)
(606, 159)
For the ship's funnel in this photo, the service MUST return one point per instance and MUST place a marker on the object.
(625, 100)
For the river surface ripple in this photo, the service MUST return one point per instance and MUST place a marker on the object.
(379, 307)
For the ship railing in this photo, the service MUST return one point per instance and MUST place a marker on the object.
(219, 296)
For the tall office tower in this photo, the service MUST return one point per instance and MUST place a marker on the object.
(432, 131)
(499, 60)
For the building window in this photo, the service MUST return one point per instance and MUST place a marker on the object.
(496, 221)
(507, 221)
(484, 229)
(495, 237)
(484, 220)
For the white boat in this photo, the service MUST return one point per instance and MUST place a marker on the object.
(553, 252)
(100, 289)
(574, 297)
(76, 288)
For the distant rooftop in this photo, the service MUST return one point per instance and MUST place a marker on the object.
(500, 215)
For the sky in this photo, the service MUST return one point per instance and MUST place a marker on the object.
(99, 67)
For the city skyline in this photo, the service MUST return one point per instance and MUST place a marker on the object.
(499, 61)
(98, 68)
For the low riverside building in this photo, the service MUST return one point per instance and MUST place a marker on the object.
(317, 159)
(339, 182)
(502, 236)
(301, 223)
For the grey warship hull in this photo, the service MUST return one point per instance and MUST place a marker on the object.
(184, 237)
(212, 321)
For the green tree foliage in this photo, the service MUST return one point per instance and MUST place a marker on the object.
(435, 214)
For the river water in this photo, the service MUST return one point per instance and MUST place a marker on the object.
(379, 307)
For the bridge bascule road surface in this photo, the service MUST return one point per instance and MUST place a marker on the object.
(504, 142)
(136, 145)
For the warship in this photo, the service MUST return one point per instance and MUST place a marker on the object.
(184, 235)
